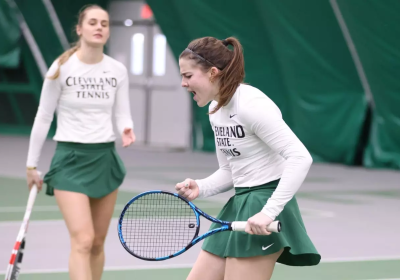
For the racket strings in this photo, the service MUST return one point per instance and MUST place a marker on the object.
(158, 225)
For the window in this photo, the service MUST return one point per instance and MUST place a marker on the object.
(137, 54)
(159, 55)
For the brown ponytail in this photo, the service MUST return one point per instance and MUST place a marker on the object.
(68, 53)
(210, 52)
(63, 58)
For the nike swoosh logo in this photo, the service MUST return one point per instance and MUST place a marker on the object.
(231, 116)
(265, 248)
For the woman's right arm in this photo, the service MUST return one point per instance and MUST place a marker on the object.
(49, 97)
(218, 182)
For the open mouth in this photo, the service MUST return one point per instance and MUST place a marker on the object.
(194, 95)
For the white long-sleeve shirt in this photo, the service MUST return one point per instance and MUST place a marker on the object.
(255, 146)
(83, 96)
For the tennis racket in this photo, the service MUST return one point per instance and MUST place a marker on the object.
(159, 225)
(14, 266)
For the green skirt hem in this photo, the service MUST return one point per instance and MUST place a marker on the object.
(298, 247)
(95, 170)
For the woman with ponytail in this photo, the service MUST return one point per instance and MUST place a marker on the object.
(259, 156)
(83, 85)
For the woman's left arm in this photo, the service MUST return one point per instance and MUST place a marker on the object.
(264, 118)
(122, 109)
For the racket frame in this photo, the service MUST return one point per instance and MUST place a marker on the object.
(17, 254)
(225, 226)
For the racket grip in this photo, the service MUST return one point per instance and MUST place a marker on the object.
(275, 226)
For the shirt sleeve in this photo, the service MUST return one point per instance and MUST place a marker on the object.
(264, 118)
(218, 182)
(50, 94)
(122, 108)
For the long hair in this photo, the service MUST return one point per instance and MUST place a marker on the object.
(68, 53)
(208, 52)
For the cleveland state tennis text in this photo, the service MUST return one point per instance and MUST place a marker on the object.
(224, 135)
(92, 87)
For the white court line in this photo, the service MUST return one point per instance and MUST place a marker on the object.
(119, 207)
(54, 208)
(317, 212)
(208, 203)
(38, 223)
(107, 268)
(361, 259)
(172, 266)
(18, 209)
(322, 213)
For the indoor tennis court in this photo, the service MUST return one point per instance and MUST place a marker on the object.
(351, 215)
(330, 66)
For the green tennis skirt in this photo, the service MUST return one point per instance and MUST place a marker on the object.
(92, 169)
(298, 248)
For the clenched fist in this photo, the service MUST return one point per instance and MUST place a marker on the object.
(188, 189)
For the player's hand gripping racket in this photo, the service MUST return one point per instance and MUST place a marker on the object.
(158, 225)
(14, 266)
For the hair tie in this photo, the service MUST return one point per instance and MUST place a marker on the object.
(225, 42)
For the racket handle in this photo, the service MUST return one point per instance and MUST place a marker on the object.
(275, 226)
(31, 200)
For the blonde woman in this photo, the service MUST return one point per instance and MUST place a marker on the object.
(83, 85)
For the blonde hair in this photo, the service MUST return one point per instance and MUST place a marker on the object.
(68, 53)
